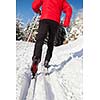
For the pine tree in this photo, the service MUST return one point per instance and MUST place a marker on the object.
(19, 29)
(76, 26)
(31, 29)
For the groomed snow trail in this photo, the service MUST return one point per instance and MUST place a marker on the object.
(65, 79)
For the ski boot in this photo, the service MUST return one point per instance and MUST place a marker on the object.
(34, 67)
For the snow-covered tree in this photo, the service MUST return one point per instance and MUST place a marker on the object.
(31, 29)
(19, 29)
(76, 28)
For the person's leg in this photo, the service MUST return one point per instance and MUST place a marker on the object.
(43, 29)
(52, 31)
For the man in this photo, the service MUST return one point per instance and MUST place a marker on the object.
(50, 11)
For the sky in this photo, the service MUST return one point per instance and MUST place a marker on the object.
(24, 8)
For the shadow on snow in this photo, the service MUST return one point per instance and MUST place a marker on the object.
(62, 64)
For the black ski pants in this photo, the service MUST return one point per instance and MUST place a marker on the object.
(45, 26)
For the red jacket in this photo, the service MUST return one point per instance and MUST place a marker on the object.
(51, 9)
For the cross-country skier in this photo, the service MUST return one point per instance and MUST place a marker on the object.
(50, 11)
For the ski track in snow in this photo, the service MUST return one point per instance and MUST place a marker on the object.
(65, 79)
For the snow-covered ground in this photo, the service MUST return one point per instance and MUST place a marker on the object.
(65, 79)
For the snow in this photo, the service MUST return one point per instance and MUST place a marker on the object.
(65, 79)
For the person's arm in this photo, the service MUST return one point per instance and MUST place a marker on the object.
(36, 6)
(67, 9)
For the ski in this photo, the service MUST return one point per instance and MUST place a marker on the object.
(34, 87)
